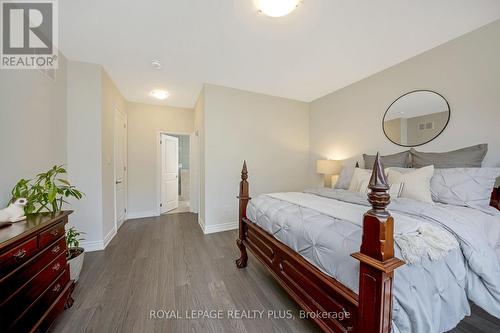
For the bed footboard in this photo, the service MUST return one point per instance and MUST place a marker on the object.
(241, 262)
(377, 261)
(317, 293)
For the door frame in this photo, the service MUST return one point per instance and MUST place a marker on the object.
(117, 110)
(158, 164)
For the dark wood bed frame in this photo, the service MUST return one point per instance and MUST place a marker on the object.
(320, 294)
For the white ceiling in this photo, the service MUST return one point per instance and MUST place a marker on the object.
(322, 46)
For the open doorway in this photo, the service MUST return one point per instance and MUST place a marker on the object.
(175, 173)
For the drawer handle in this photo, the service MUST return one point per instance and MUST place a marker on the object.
(20, 254)
(56, 288)
(56, 249)
(56, 266)
(54, 232)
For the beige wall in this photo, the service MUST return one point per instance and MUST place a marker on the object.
(393, 129)
(92, 99)
(111, 100)
(270, 133)
(32, 124)
(84, 125)
(416, 135)
(466, 71)
(144, 123)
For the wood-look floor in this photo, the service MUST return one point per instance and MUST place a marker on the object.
(166, 263)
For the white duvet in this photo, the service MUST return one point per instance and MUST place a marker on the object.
(432, 295)
(416, 238)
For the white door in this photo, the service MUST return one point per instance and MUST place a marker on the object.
(169, 173)
(120, 167)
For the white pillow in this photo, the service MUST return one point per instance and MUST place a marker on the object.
(345, 178)
(469, 187)
(395, 189)
(400, 170)
(358, 177)
(416, 184)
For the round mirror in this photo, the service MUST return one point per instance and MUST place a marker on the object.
(416, 118)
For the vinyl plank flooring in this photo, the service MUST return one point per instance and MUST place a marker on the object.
(166, 263)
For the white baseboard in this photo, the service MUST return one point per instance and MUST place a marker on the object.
(91, 246)
(99, 245)
(109, 237)
(201, 223)
(141, 215)
(210, 229)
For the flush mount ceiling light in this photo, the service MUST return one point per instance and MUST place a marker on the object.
(277, 8)
(159, 94)
(156, 64)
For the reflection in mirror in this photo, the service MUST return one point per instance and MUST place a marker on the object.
(416, 118)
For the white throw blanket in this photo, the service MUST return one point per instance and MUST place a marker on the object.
(416, 239)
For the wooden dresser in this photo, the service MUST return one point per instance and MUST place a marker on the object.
(34, 274)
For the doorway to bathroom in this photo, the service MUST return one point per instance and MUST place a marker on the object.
(175, 173)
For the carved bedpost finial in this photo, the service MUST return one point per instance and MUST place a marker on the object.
(244, 172)
(378, 196)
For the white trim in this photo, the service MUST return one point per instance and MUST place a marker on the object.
(111, 234)
(143, 214)
(210, 229)
(194, 167)
(100, 244)
(92, 246)
(201, 223)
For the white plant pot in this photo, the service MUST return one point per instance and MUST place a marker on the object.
(75, 266)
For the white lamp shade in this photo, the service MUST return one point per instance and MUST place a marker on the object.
(328, 167)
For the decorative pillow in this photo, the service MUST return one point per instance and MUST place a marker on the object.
(401, 160)
(416, 184)
(470, 157)
(358, 177)
(345, 178)
(400, 170)
(395, 189)
(469, 187)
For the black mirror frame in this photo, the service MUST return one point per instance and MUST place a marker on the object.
(411, 92)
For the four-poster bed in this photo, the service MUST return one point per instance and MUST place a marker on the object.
(369, 310)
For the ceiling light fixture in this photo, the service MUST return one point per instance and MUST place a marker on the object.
(277, 8)
(156, 64)
(159, 94)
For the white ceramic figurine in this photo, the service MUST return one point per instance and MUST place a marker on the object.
(15, 211)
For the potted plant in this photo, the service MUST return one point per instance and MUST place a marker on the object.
(75, 252)
(47, 193)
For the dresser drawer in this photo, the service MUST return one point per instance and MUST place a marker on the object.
(18, 255)
(12, 282)
(34, 274)
(41, 308)
(52, 313)
(13, 307)
(50, 235)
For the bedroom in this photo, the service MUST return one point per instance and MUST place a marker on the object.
(280, 93)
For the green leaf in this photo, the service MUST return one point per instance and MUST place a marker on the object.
(46, 191)
(64, 181)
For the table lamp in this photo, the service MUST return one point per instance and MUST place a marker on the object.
(328, 168)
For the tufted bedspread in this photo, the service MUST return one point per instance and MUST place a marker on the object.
(431, 296)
